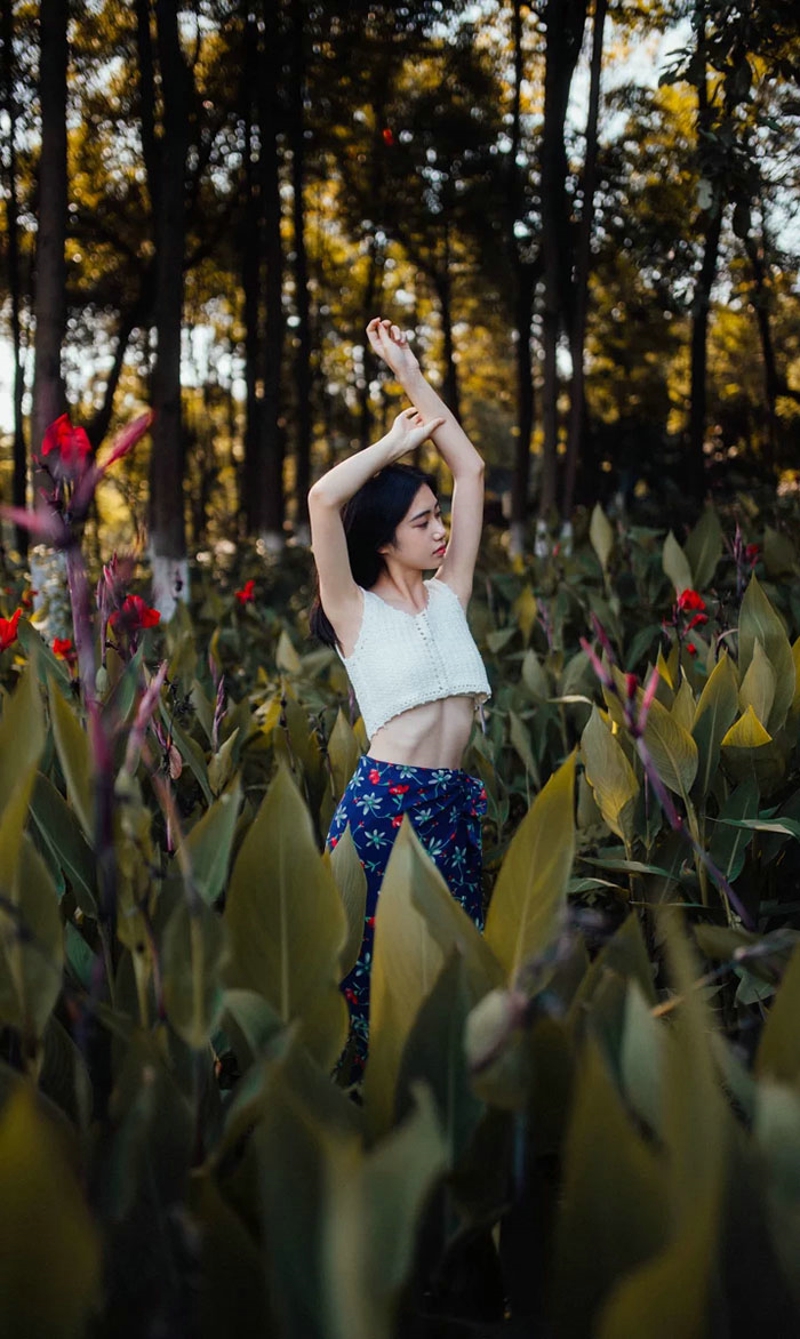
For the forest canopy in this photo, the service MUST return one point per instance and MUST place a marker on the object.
(585, 213)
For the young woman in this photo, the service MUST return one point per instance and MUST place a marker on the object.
(376, 529)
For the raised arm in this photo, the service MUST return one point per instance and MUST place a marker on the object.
(338, 591)
(458, 565)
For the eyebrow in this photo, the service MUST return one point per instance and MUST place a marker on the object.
(426, 512)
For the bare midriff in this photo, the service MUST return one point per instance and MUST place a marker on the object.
(435, 734)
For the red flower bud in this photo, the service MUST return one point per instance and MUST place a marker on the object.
(8, 630)
(387, 137)
(247, 594)
(696, 622)
(689, 601)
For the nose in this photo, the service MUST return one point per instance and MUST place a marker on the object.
(441, 531)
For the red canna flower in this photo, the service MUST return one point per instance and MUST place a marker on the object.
(696, 622)
(71, 447)
(691, 648)
(247, 594)
(8, 630)
(63, 648)
(134, 616)
(689, 601)
(387, 136)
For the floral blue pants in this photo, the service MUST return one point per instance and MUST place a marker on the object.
(445, 808)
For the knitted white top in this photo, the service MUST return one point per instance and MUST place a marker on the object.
(401, 660)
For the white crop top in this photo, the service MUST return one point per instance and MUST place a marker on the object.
(402, 660)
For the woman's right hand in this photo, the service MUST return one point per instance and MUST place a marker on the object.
(409, 431)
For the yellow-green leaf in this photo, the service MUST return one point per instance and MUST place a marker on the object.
(712, 718)
(286, 921)
(758, 685)
(703, 548)
(758, 621)
(610, 775)
(672, 749)
(601, 535)
(676, 564)
(352, 884)
(778, 1053)
(530, 894)
(50, 1256)
(72, 745)
(22, 734)
(208, 845)
(525, 608)
(746, 733)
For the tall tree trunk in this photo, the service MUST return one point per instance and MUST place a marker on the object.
(251, 275)
(264, 472)
(701, 300)
(303, 368)
(50, 303)
(762, 303)
(9, 103)
(577, 415)
(565, 22)
(524, 288)
(167, 519)
(444, 293)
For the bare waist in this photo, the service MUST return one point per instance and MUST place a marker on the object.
(434, 734)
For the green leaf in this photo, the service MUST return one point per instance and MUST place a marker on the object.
(729, 844)
(343, 752)
(534, 677)
(642, 1057)
(31, 946)
(758, 621)
(758, 685)
(778, 1055)
(208, 845)
(286, 922)
(521, 741)
(221, 765)
(59, 830)
(530, 895)
(601, 535)
(676, 565)
(193, 951)
(613, 1212)
(22, 734)
(352, 884)
(417, 925)
(780, 554)
(435, 1054)
(371, 1224)
(50, 1252)
(672, 749)
(72, 745)
(610, 775)
(714, 714)
(286, 658)
(703, 549)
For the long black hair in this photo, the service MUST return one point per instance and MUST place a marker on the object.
(370, 519)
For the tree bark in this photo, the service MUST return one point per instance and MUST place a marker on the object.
(167, 520)
(50, 303)
(577, 415)
(303, 367)
(565, 22)
(444, 293)
(762, 302)
(251, 273)
(524, 288)
(19, 482)
(701, 306)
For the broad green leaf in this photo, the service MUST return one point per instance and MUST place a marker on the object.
(748, 750)
(31, 946)
(758, 685)
(435, 1054)
(703, 548)
(613, 1212)
(373, 1208)
(534, 676)
(780, 553)
(208, 845)
(676, 565)
(343, 752)
(221, 765)
(417, 925)
(778, 1055)
(60, 831)
(230, 1265)
(642, 1057)
(252, 1024)
(610, 775)
(671, 1294)
(672, 749)
(746, 733)
(193, 951)
(286, 922)
(40, 654)
(713, 716)
(776, 1133)
(352, 884)
(286, 658)
(50, 1251)
(72, 744)
(683, 706)
(601, 535)
(530, 894)
(521, 741)
(22, 734)
(758, 621)
(729, 844)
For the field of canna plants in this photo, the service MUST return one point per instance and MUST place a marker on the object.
(585, 1122)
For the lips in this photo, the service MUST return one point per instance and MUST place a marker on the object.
(438, 553)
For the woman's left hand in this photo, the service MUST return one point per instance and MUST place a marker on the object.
(409, 431)
(391, 344)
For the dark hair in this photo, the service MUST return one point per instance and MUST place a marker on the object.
(370, 519)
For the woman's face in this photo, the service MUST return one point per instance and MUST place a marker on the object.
(420, 538)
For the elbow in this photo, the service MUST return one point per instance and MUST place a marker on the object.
(319, 496)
